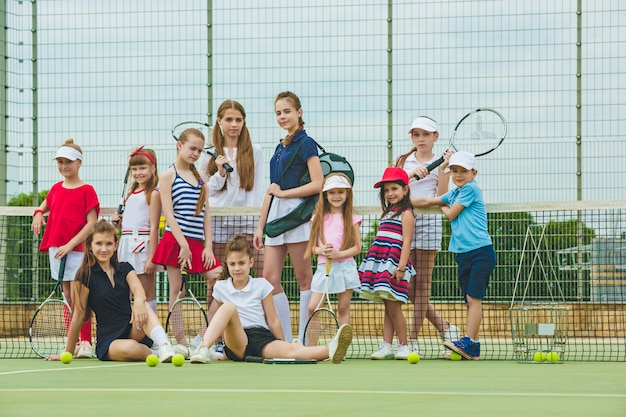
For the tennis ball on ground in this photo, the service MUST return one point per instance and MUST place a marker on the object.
(178, 359)
(152, 360)
(552, 357)
(66, 357)
(540, 357)
(455, 356)
(413, 357)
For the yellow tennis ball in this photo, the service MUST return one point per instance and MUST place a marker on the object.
(553, 357)
(152, 360)
(66, 357)
(413, 358)
(178, 359)
(455, 356)
(539, 357)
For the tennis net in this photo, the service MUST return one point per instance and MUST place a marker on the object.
(570, 253)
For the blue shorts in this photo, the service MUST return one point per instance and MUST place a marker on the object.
(475, 268)
(258, 337)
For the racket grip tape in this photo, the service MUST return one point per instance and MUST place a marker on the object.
(328, 263)
(227, 166)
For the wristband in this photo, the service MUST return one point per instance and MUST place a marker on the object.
(401, 270)
(37, 211)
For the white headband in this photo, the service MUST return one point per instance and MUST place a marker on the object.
(336, 181)
(68, 152)
(424, 123)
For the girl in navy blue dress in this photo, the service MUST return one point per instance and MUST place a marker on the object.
(125, 329)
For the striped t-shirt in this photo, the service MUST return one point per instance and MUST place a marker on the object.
(184, 199)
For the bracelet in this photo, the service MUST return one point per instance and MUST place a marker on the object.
(37, 211)
(401, 270)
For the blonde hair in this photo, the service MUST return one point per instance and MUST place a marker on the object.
(322, 207)
(245, 155)
(183, 138)
(70, 143)
(288, 95)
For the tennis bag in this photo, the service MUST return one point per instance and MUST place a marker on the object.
(331, 162)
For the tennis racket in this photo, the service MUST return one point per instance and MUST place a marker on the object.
(120, 207)
(186, 317)
(322, 325)
(280, 361)
(479, 132)
(206, 131)
(49, 325)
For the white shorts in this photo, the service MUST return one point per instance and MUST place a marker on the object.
(343, 276)
(428, 232)
(279, 208)
(134, 249)
(73, 261)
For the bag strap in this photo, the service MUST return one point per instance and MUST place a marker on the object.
(295, 153)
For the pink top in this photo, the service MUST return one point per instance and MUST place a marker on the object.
(68, 208)
(333, 232)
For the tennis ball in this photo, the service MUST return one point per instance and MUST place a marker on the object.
(66, 357)
(152, 360)
(552, 357)
(413, 358)
(178, 360)
(540, 357)
(455, 356)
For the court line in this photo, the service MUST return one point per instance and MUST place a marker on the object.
(30, 371)
(314, 391)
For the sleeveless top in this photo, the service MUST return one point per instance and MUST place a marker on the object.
(184, 199)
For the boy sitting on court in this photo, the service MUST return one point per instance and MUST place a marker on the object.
(470, 242)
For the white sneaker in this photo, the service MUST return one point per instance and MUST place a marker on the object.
(84, 350)
(166, 353)
(450, 334)
(201, 355)
(196, 341)
(384, 352)
(339, 344)
(402, 352)
(182, 349)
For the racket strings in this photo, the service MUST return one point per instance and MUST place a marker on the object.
(321, 328)
(49, 328)
(187, 321)
(480, 133)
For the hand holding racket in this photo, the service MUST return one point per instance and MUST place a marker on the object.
(479, 132)
(206, 131)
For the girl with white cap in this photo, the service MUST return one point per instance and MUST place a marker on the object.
(73, 208)
(428, 228)
(336, 237)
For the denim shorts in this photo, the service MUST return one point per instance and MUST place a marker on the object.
(475, 268)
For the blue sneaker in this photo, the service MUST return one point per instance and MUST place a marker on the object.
(464, 347)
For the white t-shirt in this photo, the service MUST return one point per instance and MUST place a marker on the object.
(249, 300)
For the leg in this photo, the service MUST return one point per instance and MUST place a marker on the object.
(474, 316)
(343, 307)
(225, 322)
(394, 309)
(148, 284)
(272, 271)
(127, 350)
(419, 291)
(210, 277)
(304, 276)
(176, 319)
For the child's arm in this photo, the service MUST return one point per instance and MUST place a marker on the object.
(80, 314)
(208, 258)
(408, 225)
(38, 219)
(421, 202)
(166, 181)
(139, 315)
(349, 252)
(265, 208)
(453, 212)
(314, 187)
(155, 221)
(272, 318)
(92, 218)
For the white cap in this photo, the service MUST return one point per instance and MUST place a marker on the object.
(424, 123)
(68, 152)
(336, 181)
(462, 159)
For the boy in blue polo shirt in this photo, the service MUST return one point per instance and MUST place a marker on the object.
(470, 242)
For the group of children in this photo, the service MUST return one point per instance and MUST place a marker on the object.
(251, 316)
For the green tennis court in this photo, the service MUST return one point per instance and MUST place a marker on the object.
(354, 388)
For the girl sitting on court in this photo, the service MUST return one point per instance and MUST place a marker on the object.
(247, 319)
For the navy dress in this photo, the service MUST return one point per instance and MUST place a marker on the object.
(112, 307)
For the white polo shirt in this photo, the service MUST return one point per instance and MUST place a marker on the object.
(249, 300)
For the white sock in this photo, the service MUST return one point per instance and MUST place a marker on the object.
(158, 335)
(305, 297)
(284, 314)
(152, 304)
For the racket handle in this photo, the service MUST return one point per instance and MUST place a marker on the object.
(227, 166)
(328, 262)
(120, 210)
(432, 166)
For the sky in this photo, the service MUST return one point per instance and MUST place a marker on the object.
(115, 75)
